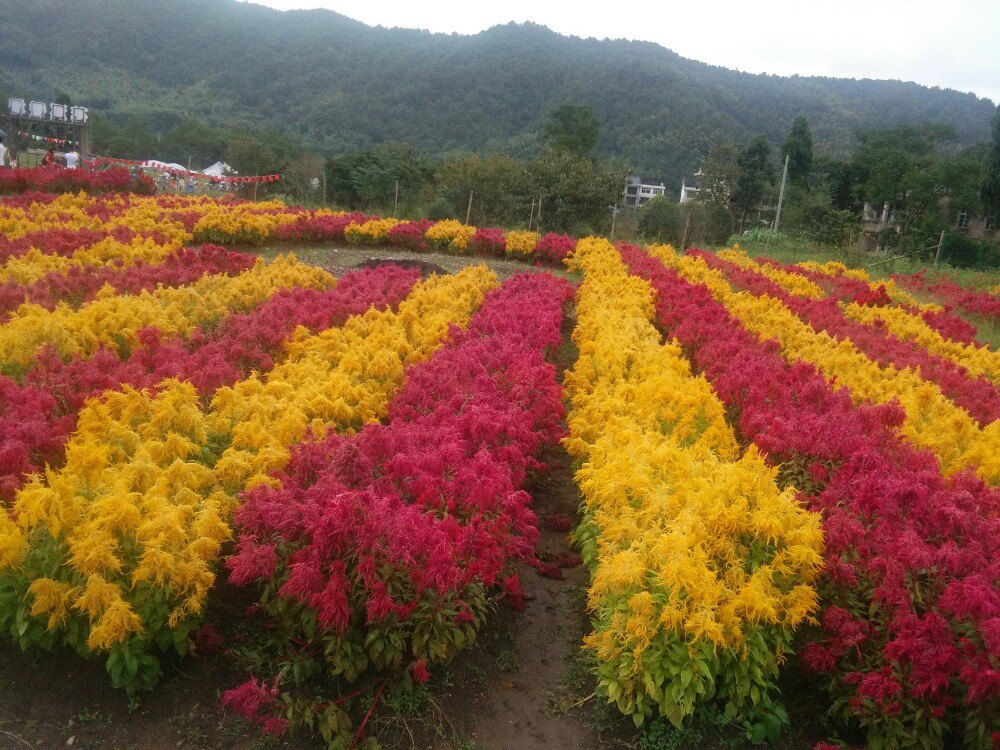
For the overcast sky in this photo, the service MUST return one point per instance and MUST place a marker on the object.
(948, 43)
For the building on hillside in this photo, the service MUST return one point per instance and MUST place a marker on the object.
(975, 227)
(639, 190)
(691, 186)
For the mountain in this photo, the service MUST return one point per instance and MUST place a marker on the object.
(339, 84)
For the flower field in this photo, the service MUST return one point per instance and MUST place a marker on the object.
(779, 466)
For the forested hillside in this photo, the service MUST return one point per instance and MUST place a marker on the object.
(338, 84)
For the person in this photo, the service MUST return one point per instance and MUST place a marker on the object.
(49, 160)
(3, 153)
(72, 158)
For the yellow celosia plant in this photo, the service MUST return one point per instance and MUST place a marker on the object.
(932, 420)
(241, 223)
(978, 360)
(450, 234)
(897, 295)
(372, 232)
(521, 244)
(701, 566)
(342, 376)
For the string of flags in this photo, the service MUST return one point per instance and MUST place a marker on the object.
(45, 138)
(227, 179)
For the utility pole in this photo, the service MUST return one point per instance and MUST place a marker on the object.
(684, 240)
(531, 216)
(937, 256)
(781, 194)
(614, 215)
(395, 202)
(468, 211)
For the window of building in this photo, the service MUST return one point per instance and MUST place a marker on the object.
(964, 219)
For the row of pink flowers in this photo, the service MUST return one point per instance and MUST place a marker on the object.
(378, 549)
(38, 415)
(80, 284)
(977, 395)
(911, 626)
(951, 293)
(849, 289)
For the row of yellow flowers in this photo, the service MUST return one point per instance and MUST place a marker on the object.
(33, 265)
(114, 319)
(701, 566)
(117, 550)
(74, 212)
(244, 223)
(933, 421)
(900, 323)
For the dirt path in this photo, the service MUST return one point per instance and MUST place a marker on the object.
(532, 683)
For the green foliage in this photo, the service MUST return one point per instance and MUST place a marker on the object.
(660, 221)
(367, 179)
(798, 147)
(708, 222)
(342, 86)
(756, 174)
(249, 155)
(500, 185)
(989, 189)
(572, 128)
(813, 215)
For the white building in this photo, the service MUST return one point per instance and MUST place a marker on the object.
(639, 190)
(690, 192)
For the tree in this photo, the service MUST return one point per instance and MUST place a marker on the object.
(660, 220)
(798, 147)
(502, 194)
(756, 173)
(572, 128)
(193, 141)
(989, 190)
(720, 174)
(249, 156)
(906, 168)
(302, 178)
(575, 192)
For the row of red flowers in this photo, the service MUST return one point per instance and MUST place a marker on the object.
(849, 289)
(952, 293)
(38, 415)
(910, 636)
(977, 395)
(59, 180)
(378, 550)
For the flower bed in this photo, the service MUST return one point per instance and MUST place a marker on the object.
(908, 639)
(701, 567)
(378, 551)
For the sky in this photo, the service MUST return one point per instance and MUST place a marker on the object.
(948, 43)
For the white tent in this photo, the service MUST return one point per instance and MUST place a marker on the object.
(173, 166)
(219, 169)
